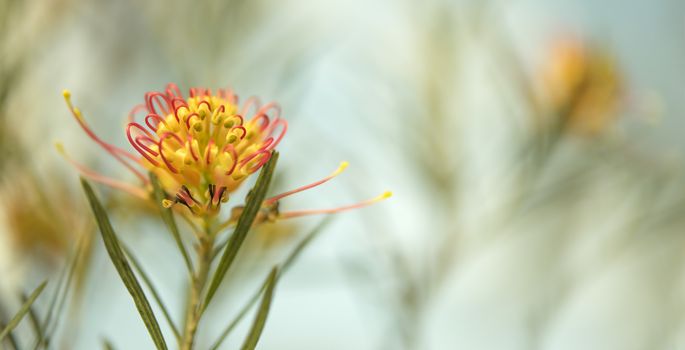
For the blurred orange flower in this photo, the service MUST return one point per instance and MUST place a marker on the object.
(581, 85)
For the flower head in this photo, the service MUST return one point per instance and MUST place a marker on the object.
(201, 148)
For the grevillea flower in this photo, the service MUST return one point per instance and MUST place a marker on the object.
(201, 147)
(582, 84)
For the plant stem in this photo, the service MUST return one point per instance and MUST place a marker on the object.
(199, 279)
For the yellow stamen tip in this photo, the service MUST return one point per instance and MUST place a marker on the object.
(167, 203)
(60, 148)
(386, 194)
(66, 93)
(340, 169)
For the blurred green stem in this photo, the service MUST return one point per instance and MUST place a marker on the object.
(197, 285)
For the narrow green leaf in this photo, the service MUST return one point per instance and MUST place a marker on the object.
(52, 306)
(260, 320)
(33, 317)
(14, 322)
(59, 297)
(290, 259)
(11, 339)
(155, 295)
(168, 218)
(254, 202)
(50, 329)
(121, 264)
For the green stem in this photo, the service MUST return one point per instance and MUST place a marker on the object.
(197, 285)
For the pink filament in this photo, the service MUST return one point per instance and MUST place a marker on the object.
(161, 150)
(191, 150)
(188, 119)
(139, 142)
(242, 121)
(134, 110)
(298, 213)
(240, 127)
(116, 152)
(91, 174)
(266, 143)
(264, 119)
(271, 105)
(284, 129)
(172, 91)
(209, 107)
(135, 144)
(158, 119)
(208, 152)
(250, 101)
(299, 189)
(265, 155)
(155, 96)
(234, 157)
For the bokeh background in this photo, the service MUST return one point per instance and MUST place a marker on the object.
(534, 147)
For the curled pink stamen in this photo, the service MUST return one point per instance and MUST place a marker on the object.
(209, 107)
(232, 97)
(156, 118)
(220, 109)
(178, 108)
(250, 157)
(173, 91)
(135, 144)
(139, 142)
(252, 101)
(191, 150)
(266, 144)
(265, 155)
(264, 119)
(240, 127)
(234, 157)
(134, 111)
(155, 96)
(161, 150)
(189, 118)
(208, 152)
(271, 105)
(284, 129)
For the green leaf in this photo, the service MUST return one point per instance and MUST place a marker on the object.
(260, 320)
(121, 264)
(14, 322)
(155, 295)
(59, 297)
(35, 322)
(168, 218)
(254, 202)
(11, 339)
(290, 259)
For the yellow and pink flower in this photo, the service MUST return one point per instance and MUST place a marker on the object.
(201, 147)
